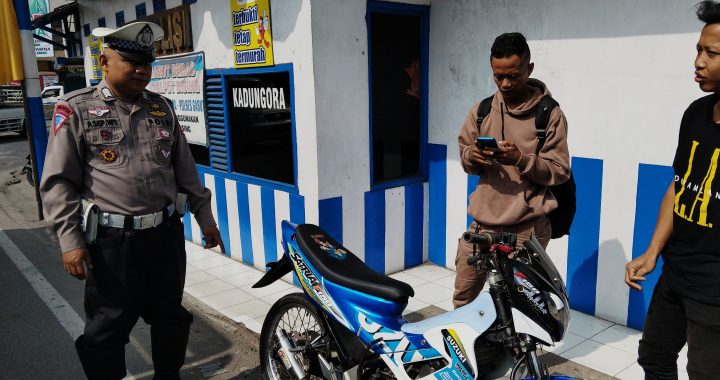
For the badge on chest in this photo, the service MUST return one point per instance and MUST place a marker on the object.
(109, 154)
(98, 111)
(156, 111)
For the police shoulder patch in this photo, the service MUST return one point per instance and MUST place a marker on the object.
(60, 117)
(107, 92)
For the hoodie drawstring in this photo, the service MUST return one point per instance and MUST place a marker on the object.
(502, 120)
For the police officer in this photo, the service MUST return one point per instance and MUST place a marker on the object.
(117, 154)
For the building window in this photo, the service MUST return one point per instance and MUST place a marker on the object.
(119, 19)
(398, 102)
(158, 5)
(189, 1)
(101, 22)
(261, 126)
(86, 30)
(140, 11)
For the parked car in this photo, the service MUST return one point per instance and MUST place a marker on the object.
(50, 96)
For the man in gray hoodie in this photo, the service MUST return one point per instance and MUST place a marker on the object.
(512, 194)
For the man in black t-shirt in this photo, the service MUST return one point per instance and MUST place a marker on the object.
(685, 306)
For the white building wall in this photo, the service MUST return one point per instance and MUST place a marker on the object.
(341, 79)
(340, 48)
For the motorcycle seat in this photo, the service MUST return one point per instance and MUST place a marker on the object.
(340, 266)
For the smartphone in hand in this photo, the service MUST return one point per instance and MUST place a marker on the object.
(486, 142)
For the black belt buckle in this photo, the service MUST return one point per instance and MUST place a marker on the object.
(128, 224)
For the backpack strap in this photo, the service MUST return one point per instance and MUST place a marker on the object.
(542, 118)
(483, 110)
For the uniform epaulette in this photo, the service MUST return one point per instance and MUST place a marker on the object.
(79, 92)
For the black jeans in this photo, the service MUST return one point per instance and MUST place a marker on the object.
(135, 274)
(671, 321)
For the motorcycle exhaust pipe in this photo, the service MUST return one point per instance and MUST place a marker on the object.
(289, 355)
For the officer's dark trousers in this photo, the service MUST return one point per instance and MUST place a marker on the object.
(135, 274)
(672, 320)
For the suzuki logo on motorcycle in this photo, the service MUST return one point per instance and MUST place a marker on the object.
(452, 341)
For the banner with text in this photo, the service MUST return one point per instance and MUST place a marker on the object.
(95, 44)
(180, 78)
(42, 48)
(252, 37)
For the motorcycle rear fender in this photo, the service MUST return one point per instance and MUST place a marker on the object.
(283, 266)
(277, 270)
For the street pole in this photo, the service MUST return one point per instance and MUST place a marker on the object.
(37, 134)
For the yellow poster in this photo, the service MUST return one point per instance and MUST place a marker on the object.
(252, 36)
(95, 44)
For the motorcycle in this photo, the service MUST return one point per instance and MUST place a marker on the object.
(348, 323)
(28, 171)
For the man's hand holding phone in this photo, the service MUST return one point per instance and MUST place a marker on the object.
(486, 142)
(483, 150)
(487, 149)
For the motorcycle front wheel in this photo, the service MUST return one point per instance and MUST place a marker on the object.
(299, 321)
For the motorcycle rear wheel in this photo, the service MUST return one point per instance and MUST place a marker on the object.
(302, 324)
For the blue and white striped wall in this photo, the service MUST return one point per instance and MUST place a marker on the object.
(248, 217)
(393, 222)
(385, 228)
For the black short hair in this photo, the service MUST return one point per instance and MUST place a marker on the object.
(509, 44)
(708, 12)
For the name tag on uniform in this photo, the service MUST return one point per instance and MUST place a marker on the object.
(98, 123)
(158, 121)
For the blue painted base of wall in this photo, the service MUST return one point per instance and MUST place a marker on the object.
(653, 181)
(437, 155)
(583, 242)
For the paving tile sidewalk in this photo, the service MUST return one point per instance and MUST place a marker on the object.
(225, 285)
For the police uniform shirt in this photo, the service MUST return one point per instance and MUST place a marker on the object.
(126, 157)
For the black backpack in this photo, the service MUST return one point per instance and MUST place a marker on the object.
(561, 218)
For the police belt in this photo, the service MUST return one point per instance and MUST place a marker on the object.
(135, 222)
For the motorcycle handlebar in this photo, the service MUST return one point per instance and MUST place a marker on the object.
(483, 238)
(486, 239)
(505, 242)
